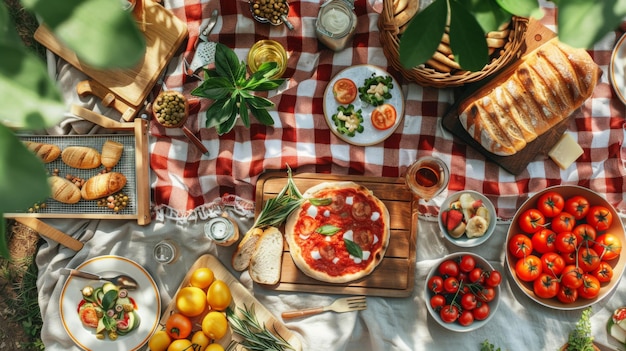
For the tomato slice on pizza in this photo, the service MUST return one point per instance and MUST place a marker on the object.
(340, 234)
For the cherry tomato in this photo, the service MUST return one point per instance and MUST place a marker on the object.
(550, 203)
(578, 206)
(437, 302)
(178, 326)
(608, 246)
(588, 259)
(467, 263)
(450, 285)
(468, 302)
(590, 287)
(604, 272)
(600, 218)
(528, 268)
(481, 312)
(566, 242)
(552, 263)
(569, 258)
(449, 313)
(486, 294)
(384, 116)
(494, 278)
(543, 241)
(564, 222)
(435, 284)
(546, 286)
(584, 232)
(572, 277)
(476, 275)
(567, 295)
(449, 268)
(345, 91)
(466, 318)
(520, 245)
(531, 220)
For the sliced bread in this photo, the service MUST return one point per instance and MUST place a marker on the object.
(267, 258)
(241, 256)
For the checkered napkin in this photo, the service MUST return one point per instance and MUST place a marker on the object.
(188, 181)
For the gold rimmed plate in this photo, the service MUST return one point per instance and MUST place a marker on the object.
(617, 68)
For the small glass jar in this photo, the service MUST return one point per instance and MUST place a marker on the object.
(267, 51)
(166, 251)
(222, 230)
(336, 24)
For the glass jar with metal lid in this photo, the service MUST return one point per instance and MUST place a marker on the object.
(336, 23)
(222, 230)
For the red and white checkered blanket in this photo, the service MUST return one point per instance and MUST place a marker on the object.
(188, 182)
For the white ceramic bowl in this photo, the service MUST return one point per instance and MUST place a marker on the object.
(455, 326)
(616, 228)
(463, 240)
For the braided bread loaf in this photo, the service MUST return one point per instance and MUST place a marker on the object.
(514, 109)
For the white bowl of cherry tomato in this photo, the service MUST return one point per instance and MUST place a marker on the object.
(564, 247)
(462, 291)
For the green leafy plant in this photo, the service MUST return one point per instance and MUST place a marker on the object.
(469, 20)
(232, 90)
(580, 338)
(487, 346)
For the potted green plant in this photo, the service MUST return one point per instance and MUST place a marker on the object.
(580, 339)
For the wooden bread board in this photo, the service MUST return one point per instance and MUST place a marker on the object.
(164, 34)
(537, 34)
(394, 277)
(241, 296)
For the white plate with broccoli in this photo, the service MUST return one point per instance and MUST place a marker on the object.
(376, 111)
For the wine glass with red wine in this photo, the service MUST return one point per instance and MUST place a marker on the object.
(427, 177)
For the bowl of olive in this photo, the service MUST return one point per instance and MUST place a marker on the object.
(170, 109)
(271, 11)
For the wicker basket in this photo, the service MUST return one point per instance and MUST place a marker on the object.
(427, 76)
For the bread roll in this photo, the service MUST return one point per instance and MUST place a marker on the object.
(245, 249)
(103, 185)
(267, 258)
(46, 152)
(81, 157)
(64, 190)
(515, 108)
(111, 153)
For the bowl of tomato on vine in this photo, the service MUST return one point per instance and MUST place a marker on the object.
(564, 247)
(462, 291)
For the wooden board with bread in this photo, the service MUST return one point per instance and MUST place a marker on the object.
(394, 274)
(522, 111)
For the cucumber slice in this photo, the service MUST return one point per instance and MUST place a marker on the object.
(108, 287)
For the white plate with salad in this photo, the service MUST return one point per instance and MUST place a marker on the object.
(617, 68)
(137, 310)
(363, 105)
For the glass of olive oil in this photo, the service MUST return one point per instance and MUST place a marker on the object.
(267, 51)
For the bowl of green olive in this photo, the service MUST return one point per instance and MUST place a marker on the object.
(271, 11)
(170, 109)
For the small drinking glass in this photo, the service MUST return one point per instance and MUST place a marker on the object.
(427, 177)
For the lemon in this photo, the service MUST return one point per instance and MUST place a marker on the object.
(159, 341)
(214, 347)
(180, 345)
(202, 278)
(191, 301)
(219, 296)
(200, 339)
(215, 325)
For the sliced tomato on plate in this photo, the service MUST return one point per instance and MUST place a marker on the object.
(384, 116)
(344, 91)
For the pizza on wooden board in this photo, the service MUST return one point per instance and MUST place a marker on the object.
(340, 234)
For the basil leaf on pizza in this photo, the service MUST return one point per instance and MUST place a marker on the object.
(341, 239)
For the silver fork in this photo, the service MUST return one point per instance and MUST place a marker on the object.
(345, 304)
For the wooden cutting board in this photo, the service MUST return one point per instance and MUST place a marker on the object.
(394, 277)
(241, 296)
(537, 34)
(164, 34)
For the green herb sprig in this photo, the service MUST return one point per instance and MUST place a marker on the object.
(233, 91)
(276, 210)
(255, 337)
(580, 338)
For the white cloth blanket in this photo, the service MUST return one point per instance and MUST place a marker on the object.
(387, 324)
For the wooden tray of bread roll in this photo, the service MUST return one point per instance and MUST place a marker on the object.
(395, 275)
(537, 35)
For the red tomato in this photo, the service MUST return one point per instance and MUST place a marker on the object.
(600, 218)
(467, 263)
(531, 220)
(588, 259)
(384, 116)
(567, 294)
(584, 232)
(476, 275)
(546, 286)
(604, 272)
(435, 284)
(481, 311)
(449, 268)
(528, 268)
(450, 285)
(468, 302)
(486, 294)
(520, 245)
(566, 242)
(344, 91)
(569, 258)
(494, 278)
(572, 277)
(578, 206)
(590, 287)
(89, 316)
(178, 326)
(550, 203)
(608, 246)
(543, 241)
(466, 318)
(437, 302)
(552, 263)
(449, 313)
(564, 222)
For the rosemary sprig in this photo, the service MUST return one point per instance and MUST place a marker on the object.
(276, 210)
(255, 337)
